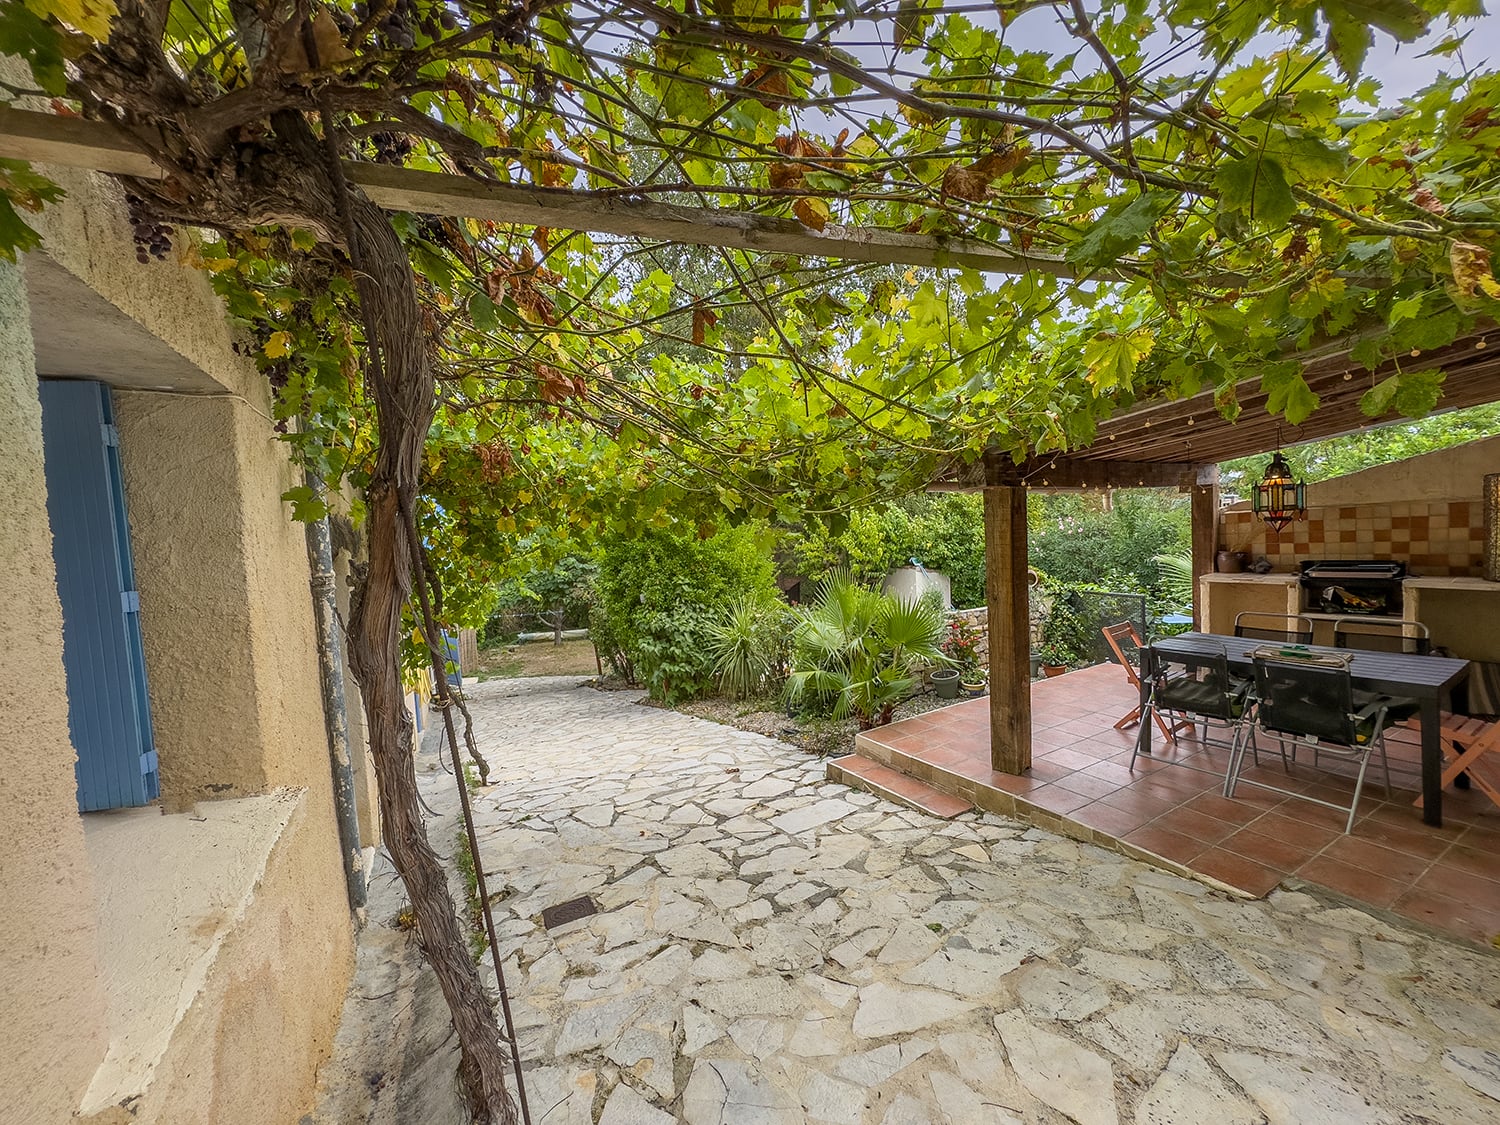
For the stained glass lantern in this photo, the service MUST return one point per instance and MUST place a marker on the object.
(1278, 498)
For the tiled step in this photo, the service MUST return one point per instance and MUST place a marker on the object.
(860, 772)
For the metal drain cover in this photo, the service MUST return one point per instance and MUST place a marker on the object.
(570, 911)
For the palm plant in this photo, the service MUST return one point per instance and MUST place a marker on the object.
(744, 645)
(1175, 573)
(856, 649)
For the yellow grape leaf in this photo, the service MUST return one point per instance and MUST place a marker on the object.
(92, 17)
(811, 212)
(1471, 270)
(279, 345)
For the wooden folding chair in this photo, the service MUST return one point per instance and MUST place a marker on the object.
(1118, 636)
(1465, 741)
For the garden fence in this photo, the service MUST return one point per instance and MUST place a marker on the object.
(1096, 609)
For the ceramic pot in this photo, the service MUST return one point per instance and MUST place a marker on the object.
(1229, 562)
(1050, 670)
(945, 683)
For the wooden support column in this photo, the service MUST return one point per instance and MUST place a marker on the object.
(1205, 535)
(1007, 594)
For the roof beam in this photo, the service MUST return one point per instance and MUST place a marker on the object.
(97, 145)
(1063, 473)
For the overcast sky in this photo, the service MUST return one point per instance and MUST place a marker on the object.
(1399, 67)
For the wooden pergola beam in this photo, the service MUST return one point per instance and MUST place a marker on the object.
(1063, 473)
(74, 142)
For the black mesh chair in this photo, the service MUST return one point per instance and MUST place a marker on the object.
(1285, 628)
(1312, 704)
(1375, 634)
(1202, 693)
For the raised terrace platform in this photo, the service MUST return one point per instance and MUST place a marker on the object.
(1170, 811)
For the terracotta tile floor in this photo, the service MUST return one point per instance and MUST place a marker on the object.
(1171, 805)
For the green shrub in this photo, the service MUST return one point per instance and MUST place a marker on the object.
(748, 645)
(608, 646)
(662, 593)
(943, 533)
(1116, 549)
(1066, 637)
(855, 649)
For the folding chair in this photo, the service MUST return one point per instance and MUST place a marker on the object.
(1287, 628)
(1118, 637)
(1382, 634)
(1311, 703)
(1205, 693)
(1376, 634)
(1465, 741)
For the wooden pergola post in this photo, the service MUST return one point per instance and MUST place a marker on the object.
(1007, 594)
(1205, 508)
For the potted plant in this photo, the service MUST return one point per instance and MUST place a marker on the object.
(1063, 639)
(1053, 657)
(945, 682)
(961, 647)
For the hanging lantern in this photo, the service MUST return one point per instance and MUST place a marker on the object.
(1278, 498)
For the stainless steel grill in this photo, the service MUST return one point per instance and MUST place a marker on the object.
(1366, 587)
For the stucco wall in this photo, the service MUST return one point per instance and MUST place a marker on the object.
(249, 1050)
(88, 234)
(230, 654)
(52, 1032)
(1456, 473)
(225, 605)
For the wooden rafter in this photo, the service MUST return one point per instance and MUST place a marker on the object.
(75, 142)
(1192, 429)
(1069, 473)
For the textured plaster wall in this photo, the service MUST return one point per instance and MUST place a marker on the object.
(52, 1034)
(225, 606)
(249, 1047)
(88, 235)
(231, 659)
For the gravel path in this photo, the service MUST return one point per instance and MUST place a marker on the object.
(773, 948)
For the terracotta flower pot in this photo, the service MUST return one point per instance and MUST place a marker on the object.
(1050, 670)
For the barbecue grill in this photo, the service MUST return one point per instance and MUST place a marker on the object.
(1367, 587)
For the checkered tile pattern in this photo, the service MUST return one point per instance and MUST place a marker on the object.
(1440, 539)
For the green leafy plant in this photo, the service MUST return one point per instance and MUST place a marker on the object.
(961, 646)
(1051, 654)
(1174, 577)
(1064, 635)
(747, 646)
(855, 650)
(662, 594)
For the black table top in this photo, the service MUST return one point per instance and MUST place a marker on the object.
(1409, 673)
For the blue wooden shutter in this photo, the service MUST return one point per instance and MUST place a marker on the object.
(109, 713)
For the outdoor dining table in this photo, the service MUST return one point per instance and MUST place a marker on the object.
(1427, 679)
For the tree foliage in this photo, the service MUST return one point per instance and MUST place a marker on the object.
(663, 594)
(1199, 211)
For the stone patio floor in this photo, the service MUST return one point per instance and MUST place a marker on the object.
(773, 947)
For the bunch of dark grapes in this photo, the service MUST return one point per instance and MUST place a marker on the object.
(390, 148)
(152, 239)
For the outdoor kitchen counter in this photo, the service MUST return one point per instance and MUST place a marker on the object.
(1462, 613)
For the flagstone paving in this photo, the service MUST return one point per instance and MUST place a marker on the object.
(775, 948)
